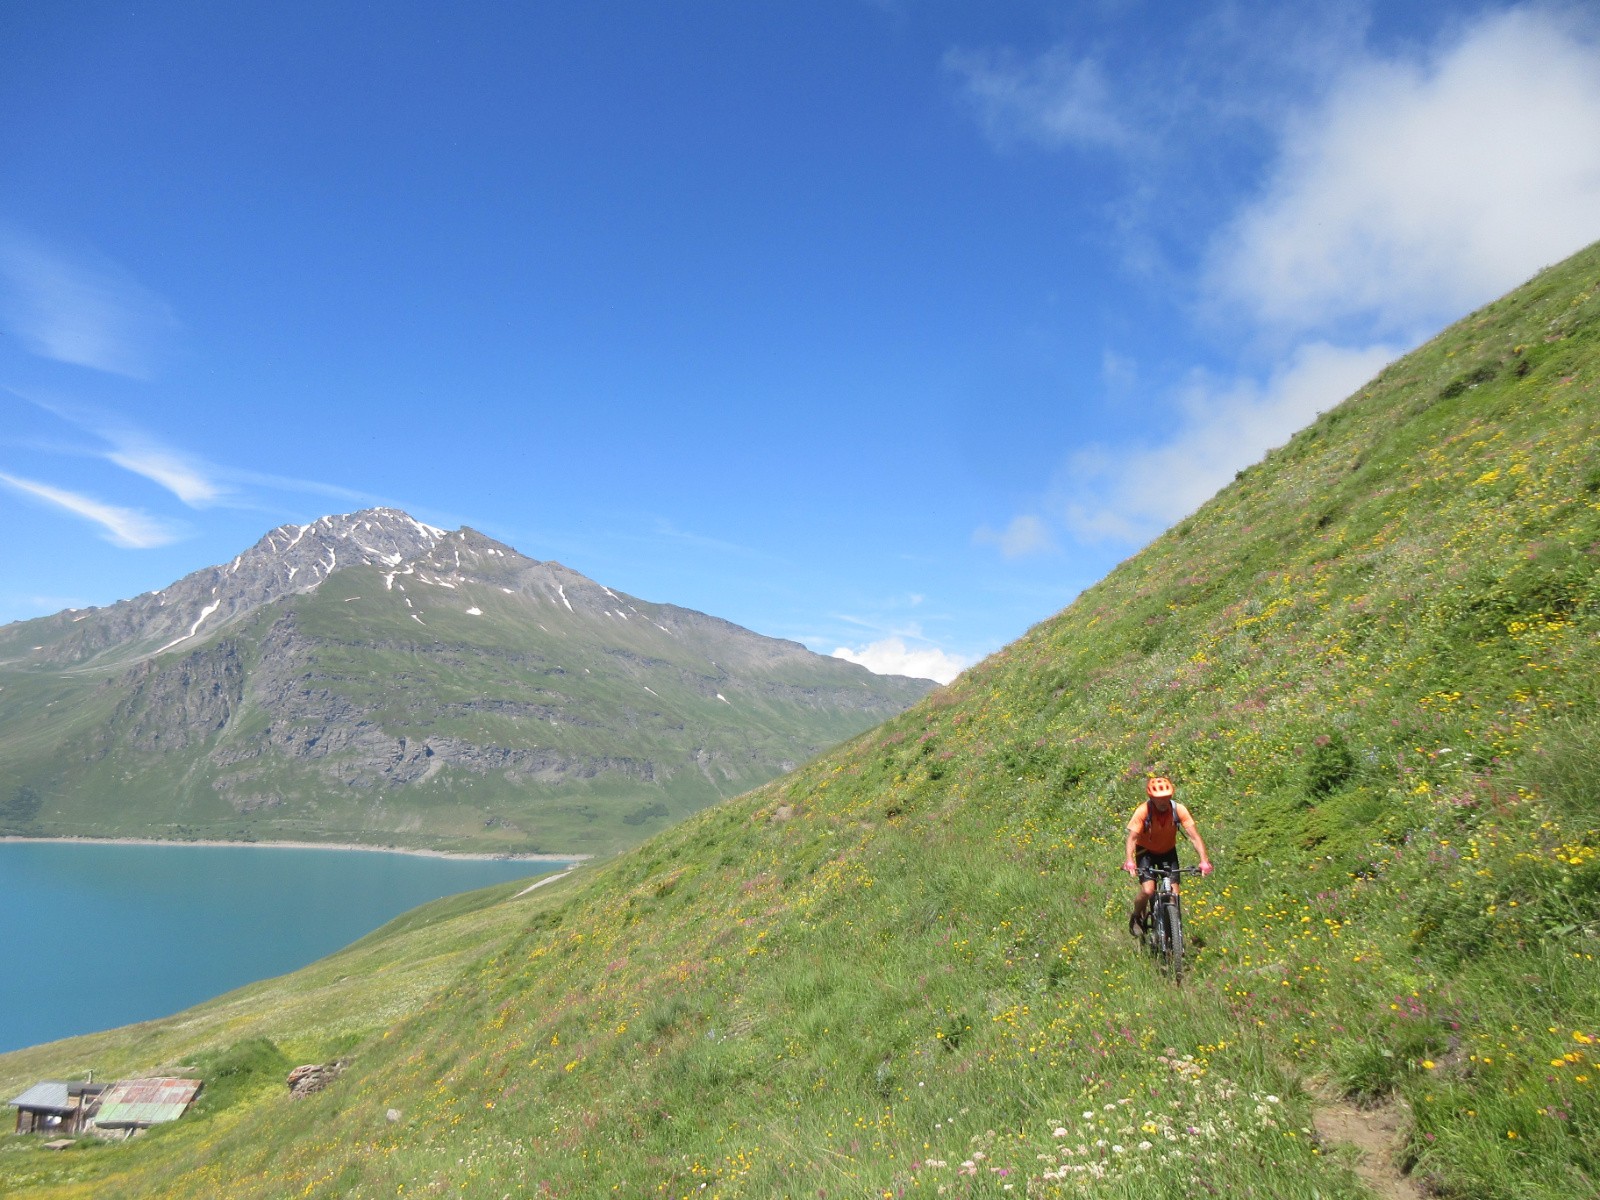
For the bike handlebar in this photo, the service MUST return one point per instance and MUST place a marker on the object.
(1157, 872)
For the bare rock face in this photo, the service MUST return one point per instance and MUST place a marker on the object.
(170, 704)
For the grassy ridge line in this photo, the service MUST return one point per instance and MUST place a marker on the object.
(1370, 664)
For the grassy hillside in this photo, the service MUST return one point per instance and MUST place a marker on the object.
(1370, 663)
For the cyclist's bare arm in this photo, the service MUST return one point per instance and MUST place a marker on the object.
(1135, 824)
(1192, 832)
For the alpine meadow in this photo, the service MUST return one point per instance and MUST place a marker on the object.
(1370, 663)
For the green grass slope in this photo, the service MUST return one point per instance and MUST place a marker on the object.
(902, 970)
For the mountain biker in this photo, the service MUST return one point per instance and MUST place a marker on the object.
(1153, 842)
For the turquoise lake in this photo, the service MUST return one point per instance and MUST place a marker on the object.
(95, 936)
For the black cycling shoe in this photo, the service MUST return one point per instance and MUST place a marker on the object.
(1137, 925)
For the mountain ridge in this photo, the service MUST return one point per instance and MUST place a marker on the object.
(355, 661)
(146, 618)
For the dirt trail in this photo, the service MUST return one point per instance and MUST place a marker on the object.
(545, 880)
(1378, 1135)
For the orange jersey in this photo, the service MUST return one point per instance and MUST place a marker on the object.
(1157, 831)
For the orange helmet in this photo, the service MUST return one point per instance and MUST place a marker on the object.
(1159, 788)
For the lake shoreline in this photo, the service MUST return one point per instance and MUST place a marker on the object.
(481, 856)
(107, 932)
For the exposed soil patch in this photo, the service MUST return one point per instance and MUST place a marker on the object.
(547, 879)
(1378, 1135)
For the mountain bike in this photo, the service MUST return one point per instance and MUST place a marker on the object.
(1163, 930)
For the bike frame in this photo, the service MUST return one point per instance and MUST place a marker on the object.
(1164, 933)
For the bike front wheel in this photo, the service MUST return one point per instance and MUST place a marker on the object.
(1173, 920)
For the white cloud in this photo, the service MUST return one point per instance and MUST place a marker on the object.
(177, 472)
(1129, 493)
(1413, 189)
(287, 483)
(1418, 189)
(194, 482)
(89, 314)
(1026, 535)
(891, 656)
(126, 527)
(1057, 99)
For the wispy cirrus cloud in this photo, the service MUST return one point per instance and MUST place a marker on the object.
(665, 528)
(288, 483)
(197, 482)
(188, 477)
(126, 527)
(80, 309)
(183, 476)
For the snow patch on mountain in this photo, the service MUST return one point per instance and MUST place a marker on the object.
(195, 628)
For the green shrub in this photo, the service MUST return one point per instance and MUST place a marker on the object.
(232, 1073)
(1463, 383)
(1329, 764)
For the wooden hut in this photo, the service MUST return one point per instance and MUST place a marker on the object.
(57, 1108)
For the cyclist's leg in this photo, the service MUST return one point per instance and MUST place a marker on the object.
(1141, 901)
(1139, 918)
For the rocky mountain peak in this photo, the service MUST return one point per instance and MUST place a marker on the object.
(295, 558)
(288, 560)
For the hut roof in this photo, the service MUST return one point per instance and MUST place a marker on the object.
(145, 1101)
(49, 1096)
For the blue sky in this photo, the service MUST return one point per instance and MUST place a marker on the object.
(884, 326)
